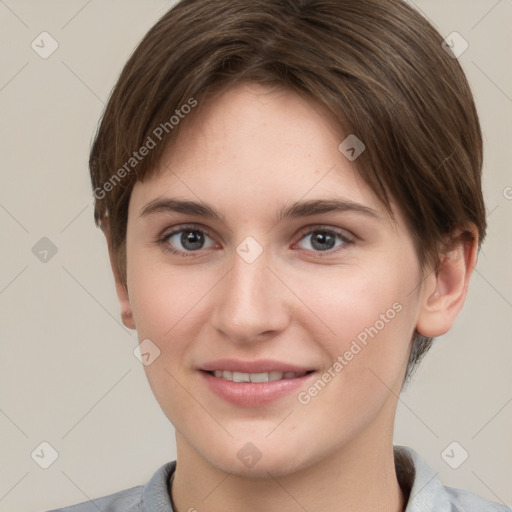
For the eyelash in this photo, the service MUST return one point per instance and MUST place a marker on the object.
(163, 240)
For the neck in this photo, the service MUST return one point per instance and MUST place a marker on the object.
(358, 477)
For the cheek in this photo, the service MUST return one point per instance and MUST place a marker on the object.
(364, 322)
(350, 301)
(373, 318)
(163, 296)
(171, 306)
(167, 307)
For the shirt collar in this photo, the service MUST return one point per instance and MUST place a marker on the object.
(422, 489)
(155, 495)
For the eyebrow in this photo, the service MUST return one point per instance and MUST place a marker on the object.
(296, 210)
(318, 206)
(171, 205)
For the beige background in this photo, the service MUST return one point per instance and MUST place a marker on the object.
(68, 373)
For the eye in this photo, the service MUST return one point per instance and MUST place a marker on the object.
(185, 240)
(321, 239)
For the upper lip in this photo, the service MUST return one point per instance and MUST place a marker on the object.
(256, 366)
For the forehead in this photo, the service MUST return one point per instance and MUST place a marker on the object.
(257, 148)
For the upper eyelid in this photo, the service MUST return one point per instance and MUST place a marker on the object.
(191, 227)
(305, 231)
(325, 227)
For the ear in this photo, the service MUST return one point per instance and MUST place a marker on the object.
(445, 289)
(121, 287)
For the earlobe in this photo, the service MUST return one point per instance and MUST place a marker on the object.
(445, 289)
(124, 302)
(121, 287)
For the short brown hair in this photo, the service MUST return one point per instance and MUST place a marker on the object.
(377, 67)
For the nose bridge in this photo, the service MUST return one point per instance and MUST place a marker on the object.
(249, 301)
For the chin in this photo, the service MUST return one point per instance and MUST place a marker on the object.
(262, 459)
(266, 467)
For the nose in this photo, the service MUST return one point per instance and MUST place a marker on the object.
(251, 302)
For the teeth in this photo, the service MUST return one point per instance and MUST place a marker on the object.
(241, 377)
(275, 376)
(256, 377)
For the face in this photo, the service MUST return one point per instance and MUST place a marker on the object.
(280, 295)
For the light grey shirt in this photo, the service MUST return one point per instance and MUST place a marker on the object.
(418, 481)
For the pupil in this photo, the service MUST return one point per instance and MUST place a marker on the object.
(192, 240)
(323, 241)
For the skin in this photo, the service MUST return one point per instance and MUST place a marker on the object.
(251, 152)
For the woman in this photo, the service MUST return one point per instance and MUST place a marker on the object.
(291, 196)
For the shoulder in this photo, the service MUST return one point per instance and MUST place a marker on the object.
(465, 501)
(122, 501)
(426, 493)
(142, 498)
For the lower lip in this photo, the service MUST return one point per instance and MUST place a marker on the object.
(253, 394)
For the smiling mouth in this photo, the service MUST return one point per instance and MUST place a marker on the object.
(256, 377)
